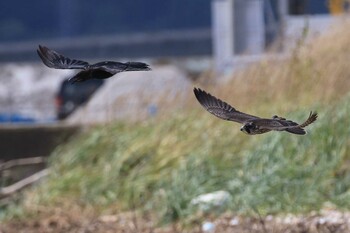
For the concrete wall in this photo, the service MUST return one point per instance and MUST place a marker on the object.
(23, 141)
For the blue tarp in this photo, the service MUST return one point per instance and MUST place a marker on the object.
(15, 118)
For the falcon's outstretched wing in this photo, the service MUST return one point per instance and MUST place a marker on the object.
(220, 108)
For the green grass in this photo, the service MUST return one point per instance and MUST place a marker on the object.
(159, 167)
(297, 174)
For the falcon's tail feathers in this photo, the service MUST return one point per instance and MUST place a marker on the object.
(312, 118)
(299, 129)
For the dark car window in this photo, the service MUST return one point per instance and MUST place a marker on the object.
(71, 96)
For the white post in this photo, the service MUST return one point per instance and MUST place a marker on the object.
(249, 26)
(222, 33)
(282, 13)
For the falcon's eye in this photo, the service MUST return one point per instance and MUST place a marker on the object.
(252, 126)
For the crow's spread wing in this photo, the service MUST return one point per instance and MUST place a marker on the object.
(55, 60)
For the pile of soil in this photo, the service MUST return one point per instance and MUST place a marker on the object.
(327, 221)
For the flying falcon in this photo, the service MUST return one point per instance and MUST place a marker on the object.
(100, 70)
(251, 124)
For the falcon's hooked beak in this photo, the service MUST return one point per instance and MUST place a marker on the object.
(244, 129)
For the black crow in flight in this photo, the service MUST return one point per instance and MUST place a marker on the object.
(100, 70)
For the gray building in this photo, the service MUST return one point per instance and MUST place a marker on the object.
(127, 29)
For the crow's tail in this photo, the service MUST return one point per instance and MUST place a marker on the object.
(137, 66)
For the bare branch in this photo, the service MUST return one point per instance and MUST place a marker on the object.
(11, 189)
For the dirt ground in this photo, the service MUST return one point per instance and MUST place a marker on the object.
(324, 222)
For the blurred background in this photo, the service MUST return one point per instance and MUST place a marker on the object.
(266, 57)
(194, 36)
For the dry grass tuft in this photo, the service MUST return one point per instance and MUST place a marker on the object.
(317, 73)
